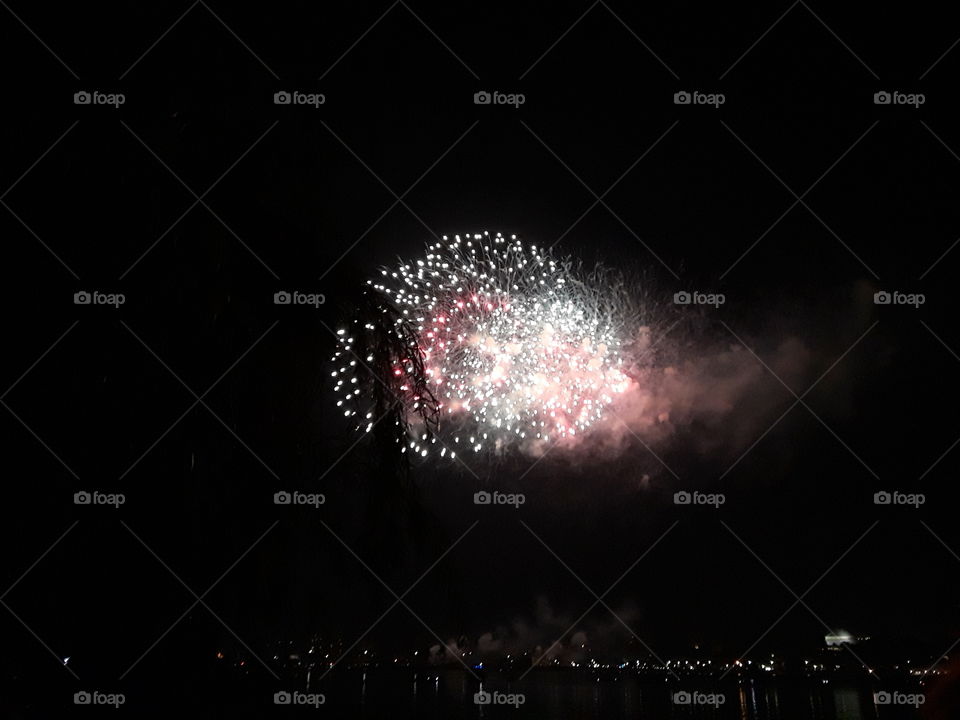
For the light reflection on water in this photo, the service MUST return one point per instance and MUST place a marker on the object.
(449, 694)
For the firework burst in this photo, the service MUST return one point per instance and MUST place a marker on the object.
(483, 342)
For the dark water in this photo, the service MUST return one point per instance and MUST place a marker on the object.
(398, 694)
(582, 696)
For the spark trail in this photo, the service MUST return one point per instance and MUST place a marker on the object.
(483, 342)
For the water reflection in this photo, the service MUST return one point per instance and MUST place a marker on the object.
(451, 695)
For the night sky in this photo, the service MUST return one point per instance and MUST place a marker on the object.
(199, 398)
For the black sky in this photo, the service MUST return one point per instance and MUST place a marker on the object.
(308, 198)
